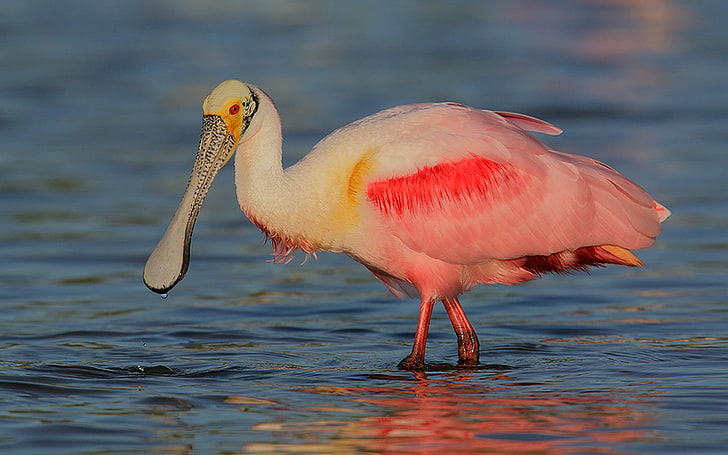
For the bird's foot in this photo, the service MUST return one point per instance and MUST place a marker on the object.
(412, 363)
(468, 362)
(469, 357)
(468, 349)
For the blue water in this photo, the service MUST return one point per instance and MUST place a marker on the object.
(99, 120)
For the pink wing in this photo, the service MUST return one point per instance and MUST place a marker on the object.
(497, 192)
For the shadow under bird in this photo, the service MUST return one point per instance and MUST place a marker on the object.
(433, 199)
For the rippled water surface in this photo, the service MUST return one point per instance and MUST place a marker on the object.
(99, 120)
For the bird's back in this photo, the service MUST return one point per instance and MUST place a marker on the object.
(465, 186)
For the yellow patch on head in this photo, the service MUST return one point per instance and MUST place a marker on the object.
(230, 100)
(232, 114)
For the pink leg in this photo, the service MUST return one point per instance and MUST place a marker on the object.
(468, 344)
(416, 360)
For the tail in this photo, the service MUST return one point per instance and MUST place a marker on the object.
(661, 210)
(581, 259)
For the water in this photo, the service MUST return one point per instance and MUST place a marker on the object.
(99, 118)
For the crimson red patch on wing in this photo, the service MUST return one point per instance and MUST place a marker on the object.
(432, 186)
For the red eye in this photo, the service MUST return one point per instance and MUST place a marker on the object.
(234, 109)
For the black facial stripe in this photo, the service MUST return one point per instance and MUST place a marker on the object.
(250, 107)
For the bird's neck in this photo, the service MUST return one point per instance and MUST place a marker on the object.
(267, 194)
(259, 178)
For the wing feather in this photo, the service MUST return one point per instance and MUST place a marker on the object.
(478, 186)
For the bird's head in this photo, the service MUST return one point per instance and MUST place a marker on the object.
(227, 113)
(233, 104)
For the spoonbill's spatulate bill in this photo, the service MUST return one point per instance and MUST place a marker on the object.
(433, 199)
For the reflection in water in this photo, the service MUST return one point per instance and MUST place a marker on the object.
(453, 415)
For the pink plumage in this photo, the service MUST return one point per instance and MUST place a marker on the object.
(508, 196)
(432, 198)
(488, 203)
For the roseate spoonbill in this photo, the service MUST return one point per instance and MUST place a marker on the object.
(433, 199)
